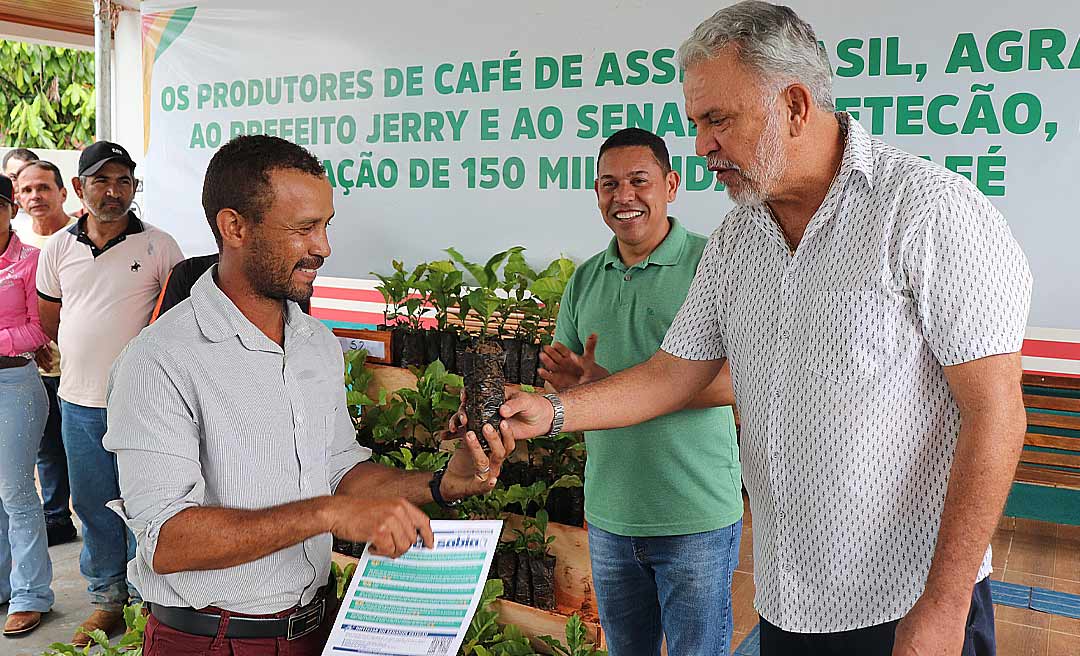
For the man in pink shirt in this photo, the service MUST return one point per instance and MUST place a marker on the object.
(25, 568)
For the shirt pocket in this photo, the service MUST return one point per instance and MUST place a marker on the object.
(846, 335)
(324, 424)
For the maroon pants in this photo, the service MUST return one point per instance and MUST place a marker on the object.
(161, 640)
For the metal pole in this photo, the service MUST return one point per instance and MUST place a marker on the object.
(103, 47)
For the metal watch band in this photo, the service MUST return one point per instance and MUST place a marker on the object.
(436, 493)
(559, 416)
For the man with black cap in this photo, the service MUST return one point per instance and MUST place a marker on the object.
(97, 284)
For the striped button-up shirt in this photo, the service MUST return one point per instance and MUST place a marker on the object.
(206, 410)
(837, 352)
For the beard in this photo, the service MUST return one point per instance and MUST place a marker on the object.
(769, 166)
(109, 213)
(271, 277)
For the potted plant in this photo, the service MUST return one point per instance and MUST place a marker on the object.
(576, 642)
(538, 561)
(482, 367)
(534, 575)
(430, 404)
(486, 637)
(562, 458)
(548, 287)
(402, 291)
(528, 333)
(516, 301)
(443, 283)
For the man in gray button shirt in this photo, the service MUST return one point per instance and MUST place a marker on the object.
(236, 452)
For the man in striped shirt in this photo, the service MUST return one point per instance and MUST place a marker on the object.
(230, 427)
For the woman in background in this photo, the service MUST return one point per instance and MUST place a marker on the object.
(25, 568)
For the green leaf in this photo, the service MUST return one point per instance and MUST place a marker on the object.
(357, 398)
(442, 266)
(62, 80)
(549, 289)
(100, 637)
(478, 272)
(567, 481)
(517, 267)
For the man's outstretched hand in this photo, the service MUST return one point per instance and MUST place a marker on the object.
(562, 368)
(524, 416)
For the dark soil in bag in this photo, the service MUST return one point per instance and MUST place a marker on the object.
(522, 580)
(460, 347)
(415, 349)
(506, 567)
(432, 339)
(448, 350)
(397, 344)
(542, 572)
(530, 360)
(566, 505)
(483, 387)
(512, 367)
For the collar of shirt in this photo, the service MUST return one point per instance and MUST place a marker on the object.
(134, 227)
(219, 319)
(858, 157)
(668, 253)
(14, 251)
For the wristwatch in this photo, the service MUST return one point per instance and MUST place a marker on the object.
(559, 416)
(436, 493)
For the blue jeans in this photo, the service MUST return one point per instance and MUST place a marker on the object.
(675, 586)
(52, 461)
(25, 568)
(108, 545)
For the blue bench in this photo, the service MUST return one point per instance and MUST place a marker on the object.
(1047, 482)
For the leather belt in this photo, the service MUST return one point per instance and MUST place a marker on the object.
(302, 622)
(8, 362)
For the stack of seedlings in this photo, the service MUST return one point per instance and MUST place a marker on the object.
(434, 317)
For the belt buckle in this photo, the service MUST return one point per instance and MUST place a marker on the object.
(304, 622)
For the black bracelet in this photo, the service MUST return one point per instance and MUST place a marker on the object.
(436, 493)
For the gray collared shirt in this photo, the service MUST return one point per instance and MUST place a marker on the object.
(206, 410)
(837, 353)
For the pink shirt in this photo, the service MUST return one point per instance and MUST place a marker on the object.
(20, 328)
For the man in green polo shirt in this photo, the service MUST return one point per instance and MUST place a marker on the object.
(663, 499)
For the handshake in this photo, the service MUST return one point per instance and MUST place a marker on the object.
(518, 415)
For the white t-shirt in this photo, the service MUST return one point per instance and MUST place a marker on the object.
(23, 224)
(107, 297)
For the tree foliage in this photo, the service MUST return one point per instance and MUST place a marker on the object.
(47, 97)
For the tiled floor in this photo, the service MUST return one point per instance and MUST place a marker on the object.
(1025, 552)
(1044, 556)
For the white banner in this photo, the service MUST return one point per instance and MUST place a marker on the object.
(476, 124)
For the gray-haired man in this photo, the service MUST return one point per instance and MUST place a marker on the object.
(872, 306)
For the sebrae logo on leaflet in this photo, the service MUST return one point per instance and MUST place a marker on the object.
(456, 542)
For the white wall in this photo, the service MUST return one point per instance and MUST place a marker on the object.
(127, 115)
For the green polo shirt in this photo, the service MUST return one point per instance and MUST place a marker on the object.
(674, 475)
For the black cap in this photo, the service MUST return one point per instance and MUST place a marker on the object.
(6, 189)
(95, 156)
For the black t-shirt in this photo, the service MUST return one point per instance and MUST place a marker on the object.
(183, 277)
